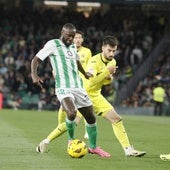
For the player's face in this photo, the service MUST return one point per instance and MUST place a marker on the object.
(68, 36)
(109, 52)
(78, 40)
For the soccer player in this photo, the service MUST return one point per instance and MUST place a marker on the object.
(165, 157)
(69, 89)
(85, 54)
(103, 67)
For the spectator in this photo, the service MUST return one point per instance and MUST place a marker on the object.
(158, 98)
(13, 101)
(136, 56)
(42, 99)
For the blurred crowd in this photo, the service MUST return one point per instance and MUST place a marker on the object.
(24, 32)
(160, 76)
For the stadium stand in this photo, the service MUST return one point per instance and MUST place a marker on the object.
(142, 46)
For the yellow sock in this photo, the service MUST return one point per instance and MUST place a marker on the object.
(59, 130)
(61, 116)
(120, 134)
(85, 125)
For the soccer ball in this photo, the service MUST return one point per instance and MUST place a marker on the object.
(77, 148)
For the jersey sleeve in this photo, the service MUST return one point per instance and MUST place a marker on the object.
(112, 63)
(108, 81)
(46, 50)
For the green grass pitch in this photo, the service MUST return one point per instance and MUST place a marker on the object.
(21, 131)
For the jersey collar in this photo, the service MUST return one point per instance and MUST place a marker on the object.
(104, 60)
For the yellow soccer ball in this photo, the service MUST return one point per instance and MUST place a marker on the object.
(77, 148)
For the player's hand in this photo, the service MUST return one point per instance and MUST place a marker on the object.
(37, 80)
(88, 75)
(109, 77)
(112, 69)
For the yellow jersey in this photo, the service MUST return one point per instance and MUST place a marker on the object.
(97, 66)
(85, 55)
(158, 94)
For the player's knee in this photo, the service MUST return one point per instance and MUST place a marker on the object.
(72, 117)
(91, 119)
(71, 114)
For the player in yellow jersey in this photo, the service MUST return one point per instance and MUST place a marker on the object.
(103, 67)
(84, 52)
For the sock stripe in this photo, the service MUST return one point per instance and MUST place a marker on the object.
(91, 125)
(69, 121)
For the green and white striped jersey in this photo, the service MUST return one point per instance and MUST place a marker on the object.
(64, 63)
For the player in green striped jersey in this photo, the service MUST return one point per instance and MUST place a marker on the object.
(65, 64)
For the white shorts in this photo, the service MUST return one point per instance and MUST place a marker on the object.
(79, 95)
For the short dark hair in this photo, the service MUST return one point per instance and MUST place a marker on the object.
(69, 26)
(80, 32)
(110, 40)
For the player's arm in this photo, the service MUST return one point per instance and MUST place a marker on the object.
(40, 56)
(81, 69)
(98, 75)
(105, 73)
(34, 66)
(108, 80)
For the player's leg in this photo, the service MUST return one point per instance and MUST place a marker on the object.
(78, 118)
(84, 105)
(90, 125)
(58, 131)
(108, 112)
(121, 134)
(69, 107)
(85, 134)
(61, 116)
(61, 128)
(92, 131)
